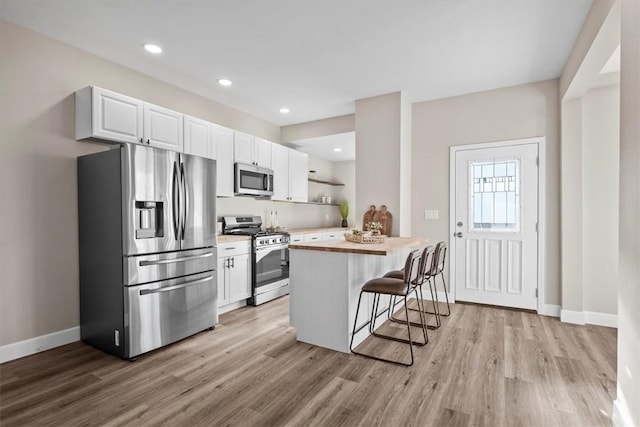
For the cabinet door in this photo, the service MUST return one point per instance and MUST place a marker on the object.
(262, 151)
(298, 176)
(239, 278)
(197, 138)
(163, 128)
(243, 148)
(280, 166)
(223, 141)
(116, 117)
(223, 282)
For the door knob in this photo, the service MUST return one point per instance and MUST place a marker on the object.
(458, 234)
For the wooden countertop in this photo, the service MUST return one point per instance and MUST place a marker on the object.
(317, 230)
(228, 239)
(391, 245)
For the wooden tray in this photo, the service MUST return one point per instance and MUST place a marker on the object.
(365, 239)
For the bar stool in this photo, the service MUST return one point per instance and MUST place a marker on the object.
(438, 270)
(393, 287)
(424, 275)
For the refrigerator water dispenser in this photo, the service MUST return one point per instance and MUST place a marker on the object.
(149, 220)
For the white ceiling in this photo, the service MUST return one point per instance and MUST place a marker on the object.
(324, 146)
(318, 57)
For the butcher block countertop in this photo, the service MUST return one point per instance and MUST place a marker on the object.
(229, 239)
(392, 244)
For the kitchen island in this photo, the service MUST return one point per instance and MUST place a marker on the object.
(326, 278)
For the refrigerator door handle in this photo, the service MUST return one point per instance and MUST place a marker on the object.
(173, 288)
(175, 201)
(144, 263)
(185, 198)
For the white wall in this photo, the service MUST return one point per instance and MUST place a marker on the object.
(503, 114)
(38, 206)
(380, 145)
(345, 172)
(627, 407)
(600, 176)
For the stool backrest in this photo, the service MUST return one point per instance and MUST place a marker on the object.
(411, 267)
(426, 262)
(437, 264)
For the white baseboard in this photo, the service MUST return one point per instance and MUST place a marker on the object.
(621, 416)
(35, 345)
(550, 310)
(570, 316)
(589, 318)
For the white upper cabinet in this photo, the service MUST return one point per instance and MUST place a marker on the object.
(111, 116)
(298, 176)
(251, 150)
(243, 148)
(262, 152)
(223, 141)
(198, 139)
(290, 174)
(108, 115)
(163, 128)
(280, 166)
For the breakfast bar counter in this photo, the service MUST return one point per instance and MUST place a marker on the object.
(325, 282)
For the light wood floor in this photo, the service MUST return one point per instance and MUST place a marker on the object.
(484, 366)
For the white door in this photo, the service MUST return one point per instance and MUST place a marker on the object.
(496, 215)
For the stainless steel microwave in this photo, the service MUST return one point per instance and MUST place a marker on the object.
(252, 180)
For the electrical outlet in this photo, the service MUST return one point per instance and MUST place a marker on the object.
(431, 214)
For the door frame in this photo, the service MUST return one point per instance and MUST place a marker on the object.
(540, 141)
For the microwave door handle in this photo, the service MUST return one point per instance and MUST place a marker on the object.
(185, 199)
(175, 200)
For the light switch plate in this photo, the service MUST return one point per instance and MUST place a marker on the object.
(431, 214)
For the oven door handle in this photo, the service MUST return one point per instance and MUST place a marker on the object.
(272, 248)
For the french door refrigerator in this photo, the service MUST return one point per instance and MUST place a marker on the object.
(147, 234)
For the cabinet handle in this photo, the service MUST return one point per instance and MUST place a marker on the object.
(141, 141)
(228, 249)
(233, 263)
(148, 142)
(226, 263)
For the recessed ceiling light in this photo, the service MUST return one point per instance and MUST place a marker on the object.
(337, 150)
(152, 48)
(284, 110)
(224, 82)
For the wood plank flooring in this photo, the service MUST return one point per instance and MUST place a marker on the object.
(485, 366)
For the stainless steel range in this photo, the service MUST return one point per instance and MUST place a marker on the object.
(270, 256)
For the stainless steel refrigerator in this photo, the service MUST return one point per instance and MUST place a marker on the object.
(147, 234)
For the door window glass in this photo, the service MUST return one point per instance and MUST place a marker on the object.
(494, 203)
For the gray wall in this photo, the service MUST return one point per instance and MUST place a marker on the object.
(511, 113)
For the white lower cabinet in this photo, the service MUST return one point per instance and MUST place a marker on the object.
(312, 237)
(333, 235)
(234, 273)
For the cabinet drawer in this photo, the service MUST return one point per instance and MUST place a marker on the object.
(296, 238)
(313, 237)
(233, 248)
(332, 235)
